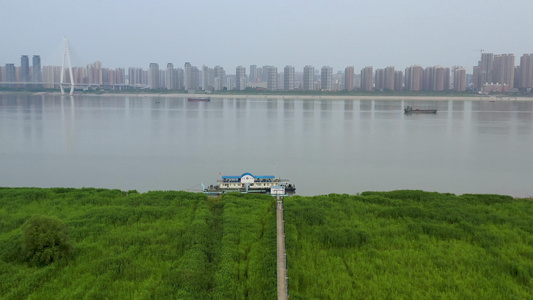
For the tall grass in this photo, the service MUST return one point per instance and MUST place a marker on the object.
(156, 245)
(179, 245)
(411, 245)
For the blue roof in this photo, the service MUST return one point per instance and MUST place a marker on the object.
(231, 177)
(244, 174)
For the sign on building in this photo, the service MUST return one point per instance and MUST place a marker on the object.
(277, 190)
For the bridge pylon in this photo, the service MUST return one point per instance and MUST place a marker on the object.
(66, 55)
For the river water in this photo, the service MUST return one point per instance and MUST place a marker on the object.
(322, 146)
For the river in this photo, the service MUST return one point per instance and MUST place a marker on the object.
(322, 146)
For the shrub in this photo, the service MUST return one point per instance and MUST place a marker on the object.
(45, 240)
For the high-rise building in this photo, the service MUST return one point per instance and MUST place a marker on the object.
(24, 68)
(398, 80)
(414, 76)
(120, 76)
(10, 73)
(272, 78)
(326, 78)
(263, 74)
(187, 69)
(153, 76)
(436, 78)
(459, 79)
(230, 82)
(486, 63)
(503, 69)
(385, 79)
(37, 73)
(389, 78)
(526, 71)
(94, 73)
(309, 78)
(136, 77)
(379, 79)
(208, 79)
(517, 76)
(191, 77)
(51, 74)
(170, 78)
(281, 80)
(366, 79)
(253, 73)
(219, 75)
(162, 79)
(180, 77)
(476, 78)
(288, 78)
(494, 69)
(349, 78)
(240, 78)
(79, 74)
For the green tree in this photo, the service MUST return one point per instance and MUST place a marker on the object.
(45, 240)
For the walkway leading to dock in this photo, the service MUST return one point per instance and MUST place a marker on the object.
(283, 291)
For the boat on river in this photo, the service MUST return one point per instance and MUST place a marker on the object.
(411, 110)
(201, 99)
(248, 183)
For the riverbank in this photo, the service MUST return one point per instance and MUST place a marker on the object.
(291, 96)
(167, 244)
(325, 97)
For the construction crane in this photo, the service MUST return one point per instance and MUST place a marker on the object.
(480, 51)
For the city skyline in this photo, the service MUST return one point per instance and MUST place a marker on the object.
(493, 73)
(240, 33)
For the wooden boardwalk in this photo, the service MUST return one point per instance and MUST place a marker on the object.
(283, 291)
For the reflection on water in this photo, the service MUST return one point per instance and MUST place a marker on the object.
(323, 146)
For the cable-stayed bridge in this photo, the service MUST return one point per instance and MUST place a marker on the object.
(83, 86)
(63, 77)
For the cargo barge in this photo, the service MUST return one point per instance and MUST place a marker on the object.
(205, 99)
(410, 110)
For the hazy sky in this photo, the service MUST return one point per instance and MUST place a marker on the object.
(378, 33)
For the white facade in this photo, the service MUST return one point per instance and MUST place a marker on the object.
(309, 78)
(288, 78)
(326, 78)
(272, 78)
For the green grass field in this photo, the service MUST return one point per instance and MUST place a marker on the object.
(179, 245)
(409, 245)
(157, 245)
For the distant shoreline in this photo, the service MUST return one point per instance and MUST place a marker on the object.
(287, 96)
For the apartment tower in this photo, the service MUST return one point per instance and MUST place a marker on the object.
(24, 68)
(288, 78)
(37, 73)
(414, 76)
(326, 78)
(526, 71)
(459, 79)
(349, 78)
(153, 76)
(272, 78)
(309, 78)
(240, 78)
(366, 79)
